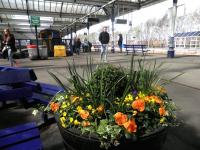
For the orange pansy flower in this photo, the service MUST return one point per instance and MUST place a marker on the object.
(120, 118)
(54, 106)
(138, 104)
(162, 111)
(130, 126)
(100, 109)
(157, 99)
(84, 114)
(85, 123)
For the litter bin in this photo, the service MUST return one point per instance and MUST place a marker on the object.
(32, 51)
(43, 52)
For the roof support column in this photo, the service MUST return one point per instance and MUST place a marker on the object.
(71, 40)
(113, 23)
(171, 44)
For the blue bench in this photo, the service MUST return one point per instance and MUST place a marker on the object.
(42, 92)
(21, 137)
(19, 84)
(96, 47)
(136, 48)
(11, 84)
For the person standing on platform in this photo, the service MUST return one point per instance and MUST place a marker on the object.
(78, 45)
(104, 38)
(120, 41)
(9, 46)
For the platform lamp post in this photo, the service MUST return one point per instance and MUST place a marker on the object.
(171, 43)
(35, 21)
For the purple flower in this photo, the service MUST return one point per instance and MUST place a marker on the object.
(135, 92)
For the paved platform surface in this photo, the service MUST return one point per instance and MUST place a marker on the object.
(184, 90)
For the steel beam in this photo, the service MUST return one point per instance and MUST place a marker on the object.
(100, 2)
(18, 21)
(44, 13)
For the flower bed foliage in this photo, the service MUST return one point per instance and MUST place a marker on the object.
(114, 102)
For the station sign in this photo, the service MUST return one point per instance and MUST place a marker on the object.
(35, 21)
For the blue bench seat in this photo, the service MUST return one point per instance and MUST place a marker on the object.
(7, 93)
(136, 48)
(21, 137)
(42, 92)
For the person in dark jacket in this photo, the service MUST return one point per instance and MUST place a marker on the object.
(120, 41)
(9, 45)
(104, 38)
(78, 45)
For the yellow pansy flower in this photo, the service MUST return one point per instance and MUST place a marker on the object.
(76, 122)
(64, 105)
(64, 114)
(80, 99)
(62, 120)
(135, 113)
(71, 119)
(162, 120)
(89, 107)
(141, 95)
(79, 108)
(87, 95)
(93, 111)
(68, 104)
(64, 125)
(128, 98)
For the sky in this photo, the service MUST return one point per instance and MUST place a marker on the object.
(152, 12)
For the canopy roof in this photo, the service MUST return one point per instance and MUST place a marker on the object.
(187, 34)
(61, 14)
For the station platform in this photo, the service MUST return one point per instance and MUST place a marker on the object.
(184, 90)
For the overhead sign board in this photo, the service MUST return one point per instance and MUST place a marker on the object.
(93, 20)
(121, 21)
(35, 21)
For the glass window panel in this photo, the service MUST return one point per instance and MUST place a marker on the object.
(69, 8)
(5, 3)
(41, 6)
(36, 5)
(64, 8)
(1, 6)
(79, 7)
(53, 6)
(30, 5)
(47, 6)
(12, 4)
(19, 4)
(24, 4)
(58, 7)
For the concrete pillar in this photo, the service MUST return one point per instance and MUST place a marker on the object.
(171, 44)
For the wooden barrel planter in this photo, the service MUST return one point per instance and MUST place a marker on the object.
(74, 140)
